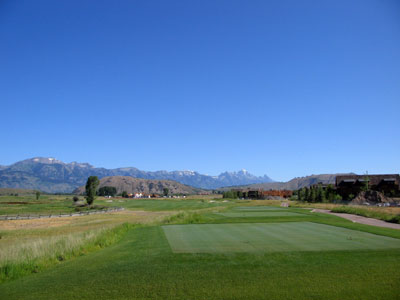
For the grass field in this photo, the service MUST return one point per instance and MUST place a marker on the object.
(276, 213)
(53, 204)
(271, 237)
(299, 256)
(257, 208)
(27, 204)
(142, 266)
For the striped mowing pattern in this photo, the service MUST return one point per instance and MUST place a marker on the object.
(271, 237)
(259, 214)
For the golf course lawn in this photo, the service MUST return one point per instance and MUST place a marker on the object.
(258, 208)
(259, 214)
(142, 266)
(213, 257)
(271, 237)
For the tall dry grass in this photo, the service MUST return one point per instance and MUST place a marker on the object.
(31, 256)
(383, 213)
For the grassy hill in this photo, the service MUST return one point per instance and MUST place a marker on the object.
(146, 186)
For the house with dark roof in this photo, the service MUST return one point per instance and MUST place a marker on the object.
(389, 184)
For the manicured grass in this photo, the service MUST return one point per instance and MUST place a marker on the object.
(272, 237)
(258, 208)
(163, 204)
(142, 266)
(302, 256)
(247, 214)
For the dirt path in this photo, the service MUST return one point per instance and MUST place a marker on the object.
(360, 219)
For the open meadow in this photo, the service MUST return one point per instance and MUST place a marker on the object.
(195, 248)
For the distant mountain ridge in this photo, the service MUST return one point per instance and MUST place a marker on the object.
(54, 176)
(295, 183)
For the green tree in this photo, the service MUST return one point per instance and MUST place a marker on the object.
(227, 194)
(313, 195)
(330, 193)
(338, 198)
(165, 191)
(91, 187)
(124, 194)
(365, 187)
(301, 195)
(107, 191)
(37, 195)
(306, 194)
(320, 194)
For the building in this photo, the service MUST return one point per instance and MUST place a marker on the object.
(389, 184)
(262, 194)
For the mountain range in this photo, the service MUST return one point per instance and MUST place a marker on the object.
(54, 176)
(293, 184)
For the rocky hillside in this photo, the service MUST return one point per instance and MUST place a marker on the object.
(146, 186)
(54, 176)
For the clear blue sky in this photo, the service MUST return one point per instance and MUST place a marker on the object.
(283, 88)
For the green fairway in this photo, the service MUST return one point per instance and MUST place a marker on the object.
(258, 208)
(142, 266)
(247, 214)
(166, 204)
(272, 237)
(255, 252)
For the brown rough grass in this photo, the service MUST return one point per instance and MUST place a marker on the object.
(126, 216)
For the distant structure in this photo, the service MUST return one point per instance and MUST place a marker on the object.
(263, 194)
(388, 184)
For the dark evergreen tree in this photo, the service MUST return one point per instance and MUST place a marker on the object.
(330, 193)
(300, 195)
(306, 194)
(165, 191)
(313, 195)
(319, 194)
(91, 187)
(107, 191)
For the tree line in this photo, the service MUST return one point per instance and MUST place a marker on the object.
(232, 194)
(318, 194)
